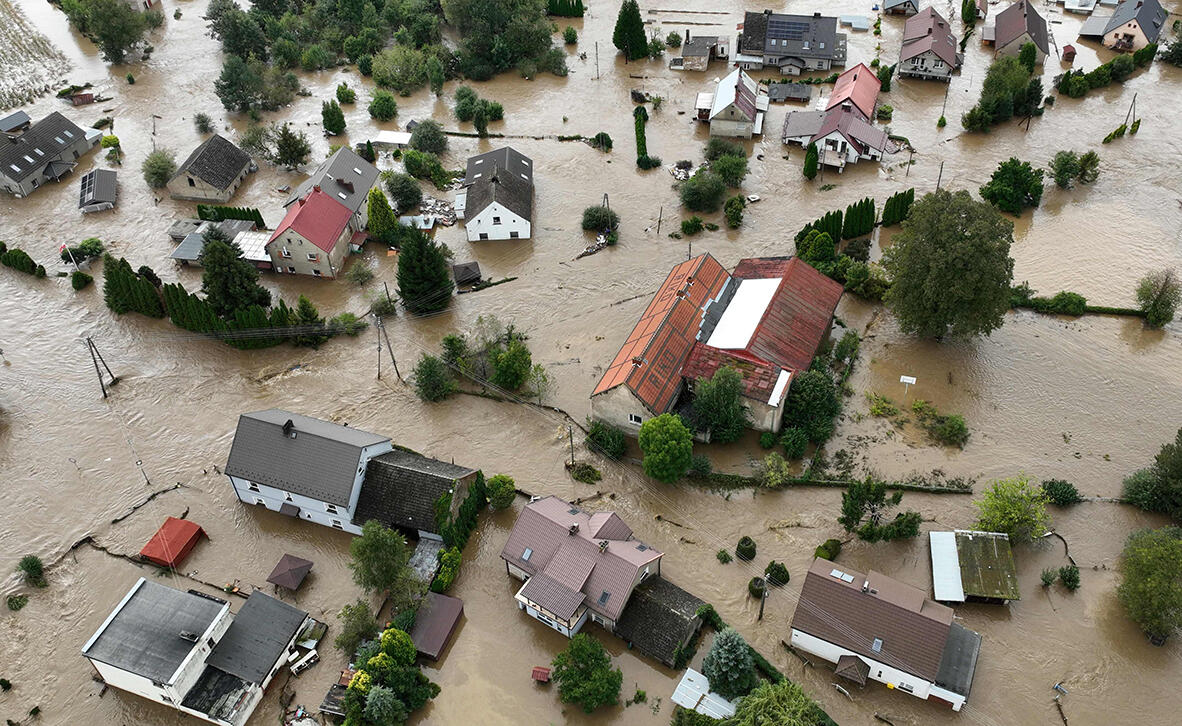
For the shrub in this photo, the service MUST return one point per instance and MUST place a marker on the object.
(19, 260)
(346, 94)
(365, 64)
(158, 168)
(729, 665)
(667, 446)
(1159, 292)
(745, 550)
(812, 405)
(404, 621)
(384, 307)
(829, 549)
(203, 123)
(884, 112)
(80, 280)
(774, 472)
(1060, 492)
(716, 148)
(433, 379)
(1014, 507)
(584, 473)
(941, 123)
(1048, 577)
(1151, 582)
(600, 218)
(1014, 185)
(449, 569)
(570, 36)
(33, 570)
(756, 587)
(607, 440)
(723, 556)
(776, 573)
(501, 491)
(382, 105)
(601, 141)
(404, 189)
(767, 440)
(584, 674)
(691, 226)
(733, 210)
(16, 602)
(428, 137)
(1069, 303)
(702, 192)
(730, 169)
(700, 465)
(1069, 576)
(673, 40)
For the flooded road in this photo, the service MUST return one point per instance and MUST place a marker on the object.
(1086, 400)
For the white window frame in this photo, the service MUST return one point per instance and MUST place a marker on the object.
(285, 253)
(316, 273)
(287, 497)
(634, 419)
(336, 524)
(330, 508)
(313, 257)
(260, 500)
(252, 486)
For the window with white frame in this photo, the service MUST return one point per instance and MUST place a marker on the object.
(330, 508)
(287, 497)
(285, 253)
(634, 419)
(316, 273)
(336, 524)
(313, 257)
(253, 487)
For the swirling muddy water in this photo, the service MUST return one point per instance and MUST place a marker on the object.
(1087, 400)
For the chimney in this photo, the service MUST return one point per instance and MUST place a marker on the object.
(603, 546)
(816, 15)
(288, 428)
(574, 528)
(687, 35)
(866, 586)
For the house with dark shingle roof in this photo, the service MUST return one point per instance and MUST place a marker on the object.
(47, 151)
(765, 320)
(1016, 26)
(929, 47)
(873, 627)
(576, 566)
(401, 489)
(794, 44)
(1132, 26)
(187, 651)
(660, 620)
(496, 200)
(212, 173)
(346, 178)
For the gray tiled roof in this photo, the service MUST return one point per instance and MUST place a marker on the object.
(502, 175)
(144, 636)
(14, 121)
(401, 488)
(785, 91)
(344, 176)
(776, 35)
(552, 595)
(217, 162)
(321, 462)
(256, 638)
(659, 618)
(97, 185)
(505, 157)
(959, 662)
(44, 142)
(1149, 14)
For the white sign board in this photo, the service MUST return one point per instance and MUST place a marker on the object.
(907, 379)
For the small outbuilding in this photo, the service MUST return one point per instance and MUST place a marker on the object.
(969, 566)
(435, 623)
(391, 140)
(660, 619)
(693, 692)
(15, 122)
(173, 542)
(1069, 54)
(97, 191)
(466, 273)
(290, 572)
(901, 7)
(777, 92)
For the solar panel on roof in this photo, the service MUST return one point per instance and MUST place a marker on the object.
(789, 29)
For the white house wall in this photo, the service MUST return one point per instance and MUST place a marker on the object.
(926, 65)
(510, 223)
(616, 406)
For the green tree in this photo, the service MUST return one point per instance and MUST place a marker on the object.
(401, 68)
(599, 218)
(501, 491)
(333, 117)
(240, 34)
(1065, 168)
(404, 189)
(782, 703)
(291, 147)
(499, 34)
(424, 276)
(811, 159)
(383, 222)
(668, 447)
(1016, 507)
(1151, 581)
(733, 209)
(607, 440)
(202, 122)
(1027, 56)
(383, 706)
(731, 169)
(570, 36)
(378, 560)
(1159, 488)
(33, 570)
(433, 379)
(1089, 167)
(812, 405)
(794, 441)
(428, 137)
(729, 665)
(1158, 295)
(307, 317)
(357, 624)
(480, 121)
(1014, 185)
(114, 26)
(346, 94)
(885, 73)
(1006, 86)
(718, 405)
(158, 168)
(228, 281)
(238, 87)
(585, 675)
(628, 35)
(511, 366)
(968, 12)
(673, 40)
(435, 75)
(399, 646)
(866, 509)
(382, 105)
(703, 192)
(950, 267)
(1173, 52)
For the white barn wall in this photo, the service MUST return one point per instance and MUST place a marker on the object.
(482, 223)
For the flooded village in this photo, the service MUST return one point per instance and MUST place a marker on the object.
(104, 484)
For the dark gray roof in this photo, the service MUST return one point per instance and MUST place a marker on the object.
(256, 638)
(217, 162)
(659, 618)
(143, 636)
(803, 36)
(1149, 14)
(699, 46)
(14, 121)
(24, 155)
(321, 462)
(181, 228)
(401, 488)
(508, 186)
(466, 272)
(344, 176)
(959, 661)
(785, 91)
(98, 185)
(215, 693)
(505, 157)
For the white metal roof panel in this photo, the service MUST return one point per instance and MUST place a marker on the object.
(945, 567)
(693, 692)
(742, 316)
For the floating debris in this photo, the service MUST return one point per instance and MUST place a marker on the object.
(442, 210)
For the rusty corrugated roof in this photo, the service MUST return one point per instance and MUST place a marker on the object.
(798, 317)
(759, 376)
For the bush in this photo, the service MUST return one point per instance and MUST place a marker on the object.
(33, 570)
(691, 226)
(1048, 576)
(733, 209)
(584, 674)
(449, 569)
(723, 556)
(829, 549)
(729, 665)
(1016, 508)
(16, 602)
(1069, 576)
(600, 218)
(158, 168)
(80, 280)
(382, 105)
(776, 573)
(428, 137)
(812, 405)
(433, 379)
(501, 491)
(700, 465)
(774, 472)
(673, 40)
(365, 65)
(667, 446)
(1151, 582)
(202, 122)
(601, 141)
(731, 169)
(1060, 492)
(1069, 303)
(404, 621)
(19, 260)
(756, 587)
(745, 550)
(767, 440)
(404, 189)
(570, 36)
(717, 148)
(702, 192)
(607, 440)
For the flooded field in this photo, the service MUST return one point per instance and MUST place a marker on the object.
(1087, 400)
(30, 64)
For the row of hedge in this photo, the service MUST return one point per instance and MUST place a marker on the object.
(859, 219)
(723, 481)
(19, 260)
(897, 207)
(1064, 302)
(643, 160)
(456, 531)
(219, 213)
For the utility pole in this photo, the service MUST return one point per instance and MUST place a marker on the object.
(571, 433)
(597, 60)
(910, 156)
(763, 599)
(96, 357)
(378, 329)
(389, 348)
(387, 286)
(940, 177)
(660, 216)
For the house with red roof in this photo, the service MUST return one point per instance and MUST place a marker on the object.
(313, 237)
(765, 319)
(929, 47)
(857, 90)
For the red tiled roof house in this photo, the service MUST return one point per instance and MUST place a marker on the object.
(576, 566)
(856, 89)
(313, 237)
(766, 320)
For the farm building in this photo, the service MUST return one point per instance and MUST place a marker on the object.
(972, 566)
(212, 173)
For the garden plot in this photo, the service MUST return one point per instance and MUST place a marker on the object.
(30, 65)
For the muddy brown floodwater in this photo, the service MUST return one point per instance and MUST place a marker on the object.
(1087, 400)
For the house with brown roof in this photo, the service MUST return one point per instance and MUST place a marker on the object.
(736, 108)
(929, 47)
(856, 90)
(1016, 26)
(842, 136)
(766, 320)
(876, 628)
(576, 566)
